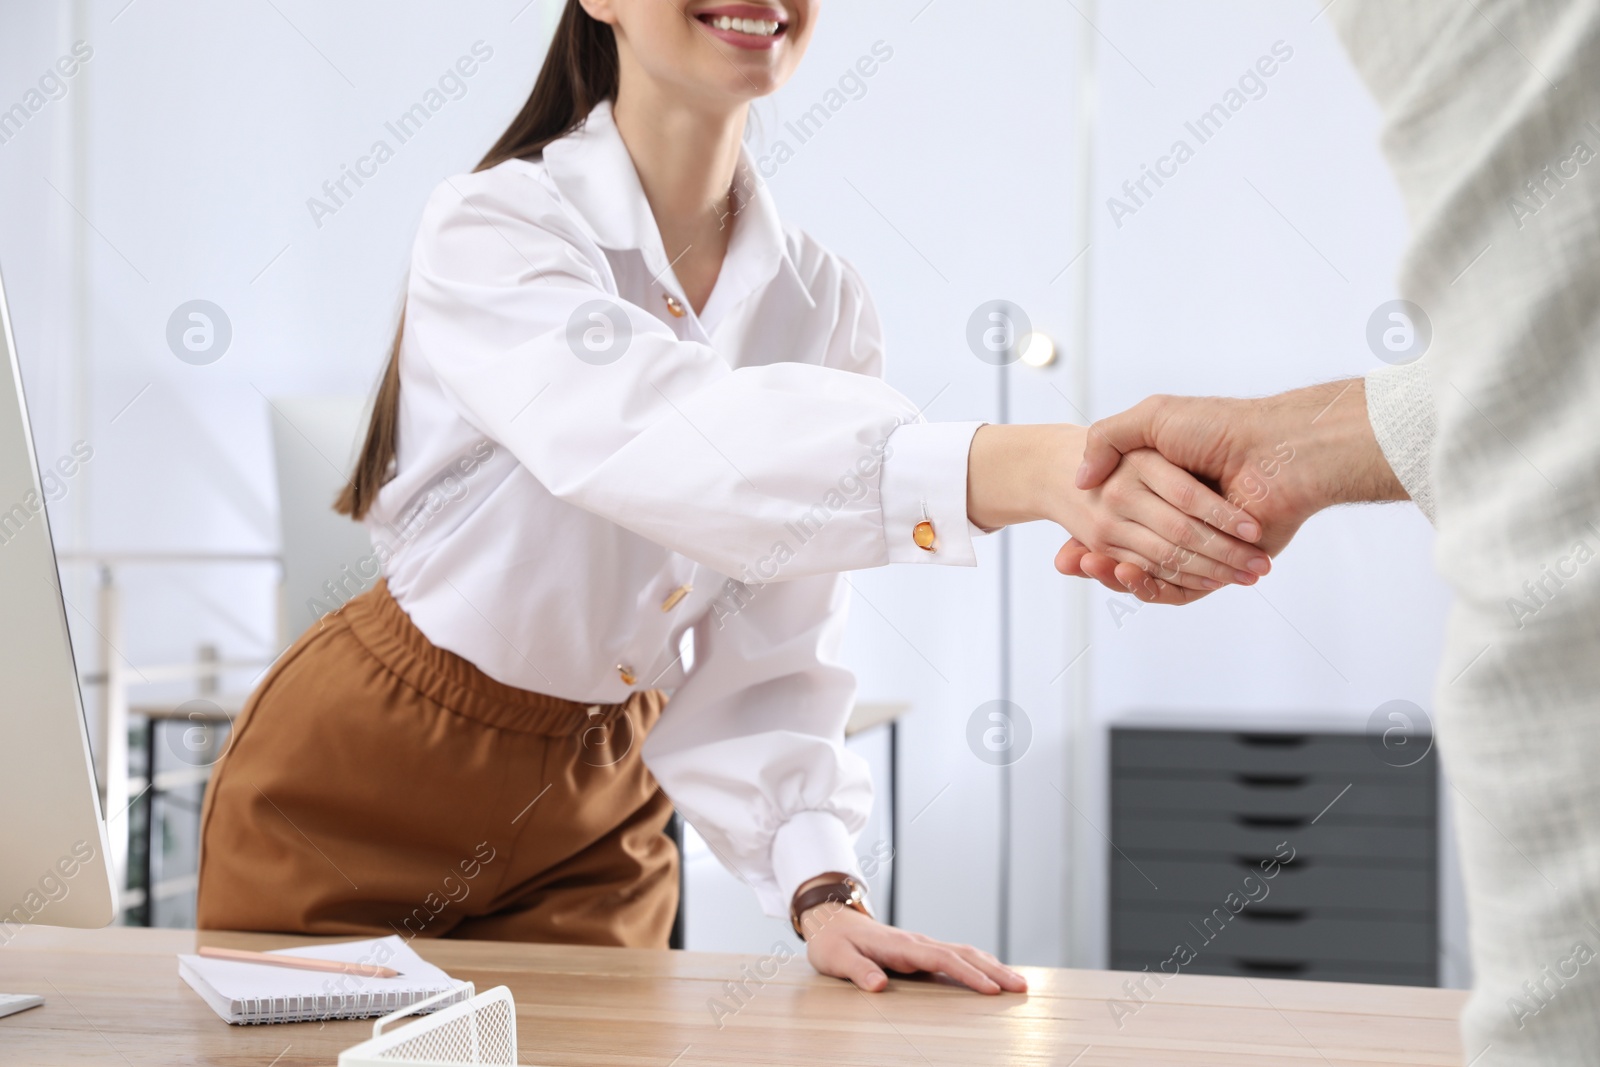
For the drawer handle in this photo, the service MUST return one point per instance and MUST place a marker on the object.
(1274, 740)
(1286, 968)
(1271, 781)
(1275, 915)
(1263, 862)
(1266, 822)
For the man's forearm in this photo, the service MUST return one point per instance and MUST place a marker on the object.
(1280, 459)
(1336, 451)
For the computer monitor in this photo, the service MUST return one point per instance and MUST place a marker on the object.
(54, 864)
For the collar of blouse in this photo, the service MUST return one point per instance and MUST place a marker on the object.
(594, 173)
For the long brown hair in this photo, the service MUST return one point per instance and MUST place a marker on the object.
(579, 71)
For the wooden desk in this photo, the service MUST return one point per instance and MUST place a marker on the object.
(114, 997)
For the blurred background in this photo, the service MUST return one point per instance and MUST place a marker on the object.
(1145, 758)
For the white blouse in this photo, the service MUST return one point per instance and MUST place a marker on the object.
(588, 471)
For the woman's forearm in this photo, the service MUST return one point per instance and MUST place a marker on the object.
(1021, 473)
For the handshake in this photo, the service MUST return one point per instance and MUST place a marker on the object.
(1180, 496)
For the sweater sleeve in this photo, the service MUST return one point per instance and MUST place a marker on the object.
(1401, 409)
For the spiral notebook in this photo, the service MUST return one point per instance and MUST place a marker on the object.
(260, 993)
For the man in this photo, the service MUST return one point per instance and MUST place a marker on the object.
(1492, 126)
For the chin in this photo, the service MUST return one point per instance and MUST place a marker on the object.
(753, 87)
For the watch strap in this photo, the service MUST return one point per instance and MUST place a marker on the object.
(840, 888)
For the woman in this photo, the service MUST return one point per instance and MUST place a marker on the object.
(631, 433)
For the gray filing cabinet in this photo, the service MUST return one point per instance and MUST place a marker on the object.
(1203, 822)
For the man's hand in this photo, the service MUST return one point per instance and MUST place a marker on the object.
(844, 943)
(1281, 458)
(1149, 513)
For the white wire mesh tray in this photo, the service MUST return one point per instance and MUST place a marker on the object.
(482, 1029)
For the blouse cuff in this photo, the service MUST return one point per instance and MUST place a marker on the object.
(809, 844)
(925, 480)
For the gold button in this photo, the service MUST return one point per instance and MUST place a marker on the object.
(676, 596)
(922, 535)
(674, 306)
(626, 674)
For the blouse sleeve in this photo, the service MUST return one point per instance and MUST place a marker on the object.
(659, 434)
(751, 746)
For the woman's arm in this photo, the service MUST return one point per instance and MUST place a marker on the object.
(664, 438)
(751, 746)
(751, 750)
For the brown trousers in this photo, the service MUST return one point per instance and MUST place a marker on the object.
(376, 784)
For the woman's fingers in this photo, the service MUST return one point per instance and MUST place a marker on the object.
(1148, 589)
(1103, 569)
(860, 950)
(999, 973)
(840, 957)
(1186, 493)
(1136, 545)
(1145, 515)
(1069, 560)
(1124, 555)
(865, 974)
(1198, 539)
(1076, 560)
(939, 958)
(1153, 536)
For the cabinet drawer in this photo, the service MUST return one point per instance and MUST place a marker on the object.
(1248, 793)
(1269, 936)
(1255, 838)
(1307, 970)
(1403, 890)
(1189, 751)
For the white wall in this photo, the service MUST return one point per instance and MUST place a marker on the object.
(1252, 271)
(209, 129)
(38, 227)
(957, 177)
(946, 195)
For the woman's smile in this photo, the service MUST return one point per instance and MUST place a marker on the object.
(752, 26)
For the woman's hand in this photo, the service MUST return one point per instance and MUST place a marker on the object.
(844, 943)
(1148, 513)
(1144, 515)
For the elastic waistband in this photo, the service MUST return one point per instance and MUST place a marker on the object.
(379, 622)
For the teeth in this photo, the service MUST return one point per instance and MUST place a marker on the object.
(754, 27)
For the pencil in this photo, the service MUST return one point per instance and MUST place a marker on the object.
(304, 963)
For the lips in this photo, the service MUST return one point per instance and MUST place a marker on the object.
(751, 26)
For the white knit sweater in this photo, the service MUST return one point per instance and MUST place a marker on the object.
(1492, 126)
(1400, 408)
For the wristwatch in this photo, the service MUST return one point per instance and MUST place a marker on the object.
(840, 888)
